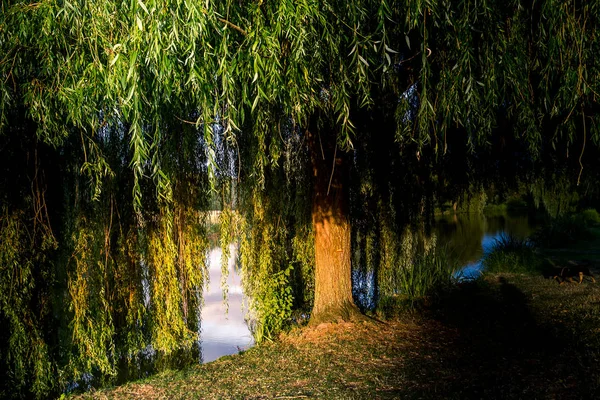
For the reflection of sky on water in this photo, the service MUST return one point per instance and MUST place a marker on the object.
(488, 240)
(469, 271)
(223, 333)
(363, 288)
(491, 230)
(472, 269)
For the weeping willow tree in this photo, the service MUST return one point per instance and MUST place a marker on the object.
(120, 121)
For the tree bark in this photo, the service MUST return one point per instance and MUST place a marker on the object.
(331, 224)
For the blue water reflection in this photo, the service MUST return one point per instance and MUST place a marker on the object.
(469, 237)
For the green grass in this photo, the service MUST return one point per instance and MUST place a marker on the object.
(429, 273)
(427, 276)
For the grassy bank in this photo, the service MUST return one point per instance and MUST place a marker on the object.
(505, 336)
(514, 333)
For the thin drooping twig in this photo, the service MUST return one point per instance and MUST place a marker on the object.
(332, 169)
(186, 121)
(321, 144)
(229, 24)
(582, 150)
(232, 25)
(239, 171)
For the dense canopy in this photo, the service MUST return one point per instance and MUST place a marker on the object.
(319, 128)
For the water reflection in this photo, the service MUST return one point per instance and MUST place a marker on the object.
(223, 333)
(470, 236)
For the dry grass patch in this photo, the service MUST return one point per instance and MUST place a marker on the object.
(132, 391)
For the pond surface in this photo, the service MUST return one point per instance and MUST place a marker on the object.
(470, 236)
(224, 332)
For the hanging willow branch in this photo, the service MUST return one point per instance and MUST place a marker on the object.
(582, 148)
(237, 28)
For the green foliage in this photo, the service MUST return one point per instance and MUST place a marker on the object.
(92, 325)
(273, 224)
(168, 331)
(513, 255)
(556, 196)
(131, 336)
(516, 204)
(590, 217)
(24, 350)
(513, 203)
(304, 263)
(495, 209)
(561, 232)
(271, 254)
(474, 200)
(267, 281)
(272, 302)
(249, 66)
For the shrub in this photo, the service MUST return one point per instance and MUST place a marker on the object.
(512, 254)
(494, 209)
(516, 204)
(427, 276)
(272, 302)
(590, 217)
(561, 232)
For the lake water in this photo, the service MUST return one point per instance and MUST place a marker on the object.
(470, 236)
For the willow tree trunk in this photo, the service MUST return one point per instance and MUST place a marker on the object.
(331, 224)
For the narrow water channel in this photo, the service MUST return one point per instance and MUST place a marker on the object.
(224, 330)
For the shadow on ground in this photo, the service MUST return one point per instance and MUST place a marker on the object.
(483, 342)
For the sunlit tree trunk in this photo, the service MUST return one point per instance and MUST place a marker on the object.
(331, 224)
